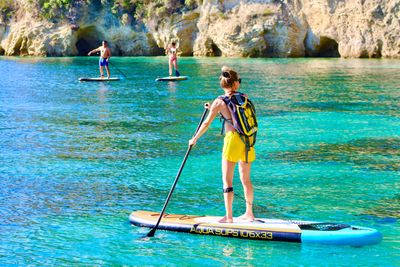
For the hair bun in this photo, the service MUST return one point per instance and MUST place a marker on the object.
(226, 74)
(228, 77)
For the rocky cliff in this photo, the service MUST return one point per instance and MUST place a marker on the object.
(230, 28)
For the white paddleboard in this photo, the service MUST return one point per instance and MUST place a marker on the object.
(262, 229)
(171, 78)
(99, 79)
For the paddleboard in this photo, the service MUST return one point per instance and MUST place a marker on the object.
(262, 229)
(99, 79)
(171, 78)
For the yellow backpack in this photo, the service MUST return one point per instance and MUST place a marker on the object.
(243, 118)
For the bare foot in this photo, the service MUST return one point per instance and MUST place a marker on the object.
(226, 220)
(246, 218)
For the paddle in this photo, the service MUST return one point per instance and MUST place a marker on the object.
(153, 230)
(117, 69)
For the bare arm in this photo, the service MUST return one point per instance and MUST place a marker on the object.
(214, 109)
(94, 51)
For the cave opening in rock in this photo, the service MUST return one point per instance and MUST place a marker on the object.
(88, 38)
(327, 48)
(216, 52)
(17, 47)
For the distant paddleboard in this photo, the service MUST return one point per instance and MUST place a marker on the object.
(99, 79)
(262, 229)
(172, 78)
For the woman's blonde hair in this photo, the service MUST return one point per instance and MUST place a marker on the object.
(228, 77)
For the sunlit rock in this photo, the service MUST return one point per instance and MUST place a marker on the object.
(233, 28)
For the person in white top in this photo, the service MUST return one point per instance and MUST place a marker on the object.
(173, 60)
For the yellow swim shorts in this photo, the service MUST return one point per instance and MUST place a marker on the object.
(235, 150)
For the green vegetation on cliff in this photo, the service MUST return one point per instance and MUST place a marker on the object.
(145, 10)
(128, 11)
(54, 8)
(6, 9)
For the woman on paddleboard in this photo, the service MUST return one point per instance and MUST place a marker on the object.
(171, 51)
(234, 149)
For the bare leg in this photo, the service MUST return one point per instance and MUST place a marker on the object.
(244, 171)
(101, 71)
(108, 71)
(228, 168)
(176, 67)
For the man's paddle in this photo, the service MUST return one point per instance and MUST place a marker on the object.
(153, 230)
(117, 69)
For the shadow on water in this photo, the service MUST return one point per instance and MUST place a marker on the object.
(378, 154)
(387, 210)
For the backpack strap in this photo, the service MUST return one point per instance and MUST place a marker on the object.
(223, 120)
(221, 117)
(246, 141)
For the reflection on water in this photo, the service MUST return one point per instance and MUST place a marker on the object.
(172, 87)
(228, 250)
(327, 86)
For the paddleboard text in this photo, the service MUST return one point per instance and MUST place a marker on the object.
(232, 232)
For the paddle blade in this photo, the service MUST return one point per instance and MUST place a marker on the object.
(152, 232)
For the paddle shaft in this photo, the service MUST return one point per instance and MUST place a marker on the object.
(117, 69)
(153, 230)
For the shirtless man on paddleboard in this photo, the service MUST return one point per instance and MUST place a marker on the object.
(105, 54)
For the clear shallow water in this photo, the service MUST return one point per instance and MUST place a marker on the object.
(77, 158)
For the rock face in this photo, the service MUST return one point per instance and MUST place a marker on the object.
(230, 28)
(2, 30)
(240, 31)
(368, 28)
(38, 37)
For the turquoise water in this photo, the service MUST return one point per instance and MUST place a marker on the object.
(77, 158)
